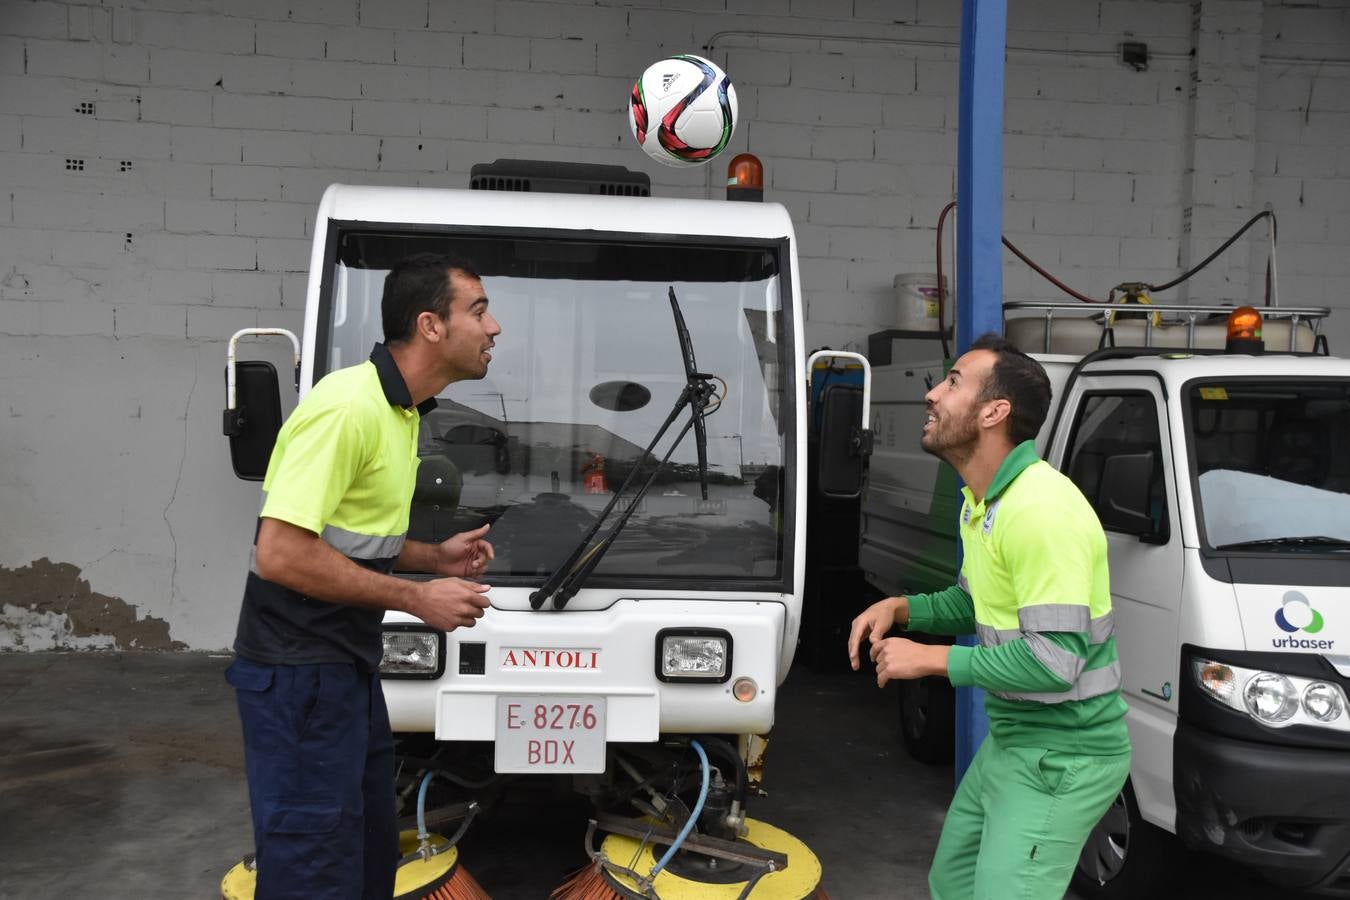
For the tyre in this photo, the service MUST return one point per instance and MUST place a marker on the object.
(928, 719)
(1125, 856)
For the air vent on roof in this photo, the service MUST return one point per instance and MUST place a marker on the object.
(559, 178)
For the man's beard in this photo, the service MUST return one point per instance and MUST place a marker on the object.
(953, 440)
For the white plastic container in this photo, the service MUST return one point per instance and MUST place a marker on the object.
(916, 302)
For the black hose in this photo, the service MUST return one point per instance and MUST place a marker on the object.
(1222, 247)
(1274, 231)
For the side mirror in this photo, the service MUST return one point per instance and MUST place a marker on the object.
(1123, 501)
(253, 405)
(253, 423)
(845, 439)
(844, 446)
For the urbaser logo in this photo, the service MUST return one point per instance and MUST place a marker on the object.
(1297, 614)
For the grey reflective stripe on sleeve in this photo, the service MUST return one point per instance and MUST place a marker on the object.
(363, 546)
(1101, 628)
(1092, 683)
(962, 583)
(1067, 617)
(991, 637)
(1054, 617)
(253, 560)
(1061, 663)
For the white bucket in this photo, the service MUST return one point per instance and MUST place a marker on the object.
(916, 302)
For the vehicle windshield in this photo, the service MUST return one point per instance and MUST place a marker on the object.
(1271, 459)
(585, 371)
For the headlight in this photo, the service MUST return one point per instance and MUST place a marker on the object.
(412, 653)
(1323, 701)
(693, 654)
(1272, 698)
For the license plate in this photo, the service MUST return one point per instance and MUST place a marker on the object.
(548, 733)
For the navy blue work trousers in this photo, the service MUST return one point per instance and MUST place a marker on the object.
(320, 762)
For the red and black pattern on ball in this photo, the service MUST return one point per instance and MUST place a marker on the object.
(639, 112)
(665, 134)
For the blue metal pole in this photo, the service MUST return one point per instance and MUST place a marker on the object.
(979, 231)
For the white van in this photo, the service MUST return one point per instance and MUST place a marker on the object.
(1223, 483)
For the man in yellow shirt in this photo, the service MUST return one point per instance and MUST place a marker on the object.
(318, 749)
(1034, 587)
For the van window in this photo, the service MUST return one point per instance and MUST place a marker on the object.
(1112, 424)
(1270, 463)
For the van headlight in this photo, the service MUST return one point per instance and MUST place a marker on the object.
(1270, 698)
(693, 655)
(1323, 701)
(1273, 698)
(411, 651)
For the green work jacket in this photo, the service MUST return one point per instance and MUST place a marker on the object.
(1034, 588)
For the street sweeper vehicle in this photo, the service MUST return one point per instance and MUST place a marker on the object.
(1218, 467)
(638, 448)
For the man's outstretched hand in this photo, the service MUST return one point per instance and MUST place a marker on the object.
(874, 622)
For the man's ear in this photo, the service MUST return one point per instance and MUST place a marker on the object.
(995, 412)
(427, 325)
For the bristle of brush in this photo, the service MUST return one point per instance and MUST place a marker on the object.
(461, 886)
(587, 883)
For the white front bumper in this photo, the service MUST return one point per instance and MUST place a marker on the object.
(640, 707)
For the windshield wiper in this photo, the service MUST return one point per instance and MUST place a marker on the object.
(692, 378)
(1310, 540)
(568, 578)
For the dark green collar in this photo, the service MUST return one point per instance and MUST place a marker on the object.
(1023, 455)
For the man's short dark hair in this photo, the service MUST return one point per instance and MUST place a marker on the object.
(416, 284)
(1021, 381)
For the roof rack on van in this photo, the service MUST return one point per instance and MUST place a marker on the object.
(1079, 328)
(559, 178)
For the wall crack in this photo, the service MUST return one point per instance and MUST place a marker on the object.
(178, 479)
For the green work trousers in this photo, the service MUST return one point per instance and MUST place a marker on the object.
(1018, 821)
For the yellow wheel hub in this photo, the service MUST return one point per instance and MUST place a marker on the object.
(799, 880)
(240, 882)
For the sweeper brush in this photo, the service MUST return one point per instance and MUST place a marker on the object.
(437, 877)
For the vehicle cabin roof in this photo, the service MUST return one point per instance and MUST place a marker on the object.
(1176, 368)
(573, 212)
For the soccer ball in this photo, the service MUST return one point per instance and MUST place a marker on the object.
(683, 110)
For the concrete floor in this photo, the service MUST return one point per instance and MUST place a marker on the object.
(121, 776)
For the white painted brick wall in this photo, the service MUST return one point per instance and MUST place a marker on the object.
(233, 119)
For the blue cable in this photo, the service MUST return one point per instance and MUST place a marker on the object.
(422, 833)
(693, 816)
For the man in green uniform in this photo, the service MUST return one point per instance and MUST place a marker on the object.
(1033, 586)
(317, 745)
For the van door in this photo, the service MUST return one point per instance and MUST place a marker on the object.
(1118, 452)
